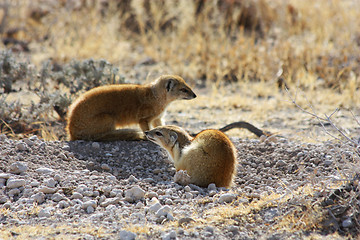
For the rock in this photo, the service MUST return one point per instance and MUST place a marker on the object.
(163, 211)
(151, 194)
(77, 195)
(280, 163)
(181, 177)
(209, 229)
(18, 167)
(95, 145)
(64, 157)
(3, 199)
(57, 197)
(155, 207)
(134, 194)
(50, 182)
(5, 175)
(227, 197)
(47, 190)
(91, 203)
(139, 205)
(212, 186)
(188, 195)
(38, 197)
(63, 204)
(45, 212)
(169, 236)
(13, 192)
(212, 193)
(347, 223)
(105, 167)
(110, 201)
(44, 170)
(15, 183)
(21, 146)
(132, 178)
(187, 189)
(90, 209)
(126, 235)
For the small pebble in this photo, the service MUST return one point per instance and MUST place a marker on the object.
(126, 235)
(21, 146)
(227, 198)
(15, 183)
(18, 167)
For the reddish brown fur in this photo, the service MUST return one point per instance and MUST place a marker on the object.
(97, 113)
(210, 157)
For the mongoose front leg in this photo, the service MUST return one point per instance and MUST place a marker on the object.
(144, 125)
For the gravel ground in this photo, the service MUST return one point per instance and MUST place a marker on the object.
(123, 190)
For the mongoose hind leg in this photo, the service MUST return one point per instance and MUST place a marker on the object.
(93, 128)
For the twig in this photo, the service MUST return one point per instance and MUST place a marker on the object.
(321, 120)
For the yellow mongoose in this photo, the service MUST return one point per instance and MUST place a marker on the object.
(209, 157)
(98, 113)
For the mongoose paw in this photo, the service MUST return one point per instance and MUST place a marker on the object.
(181, 177)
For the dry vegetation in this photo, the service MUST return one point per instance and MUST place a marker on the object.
(243, 53)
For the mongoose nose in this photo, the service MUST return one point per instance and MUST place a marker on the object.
(194, 96)
(146, 133)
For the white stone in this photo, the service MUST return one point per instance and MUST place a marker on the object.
(5, 175)
(163, 211)
(15, 183)
(50, 182)
(212, 186)
(3, 199)
(188, 195)
(47, 190)
(110, 201)
(44, 170)
(151, 194)
(18, 167)
(44, 212)
(57, 197)
(95, 145)
(57, 178)
(139, 205)
(63, 204)
(35, 183)
(132, 178)
(13, 192)
(227, 197)
(126, 235)
(169, 236)
(90, 209)
(134, 194)
(155, 207)
(38, 197)
(91, 203)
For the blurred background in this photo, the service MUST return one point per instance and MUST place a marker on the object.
(53, 50)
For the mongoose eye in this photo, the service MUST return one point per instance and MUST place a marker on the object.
(184, 90)
(158, 133)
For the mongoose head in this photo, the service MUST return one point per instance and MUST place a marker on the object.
(172, 138)
(175, 87)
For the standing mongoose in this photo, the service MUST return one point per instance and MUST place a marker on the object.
(209, 157)
(98, 113)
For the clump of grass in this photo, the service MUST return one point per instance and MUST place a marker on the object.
(55, 88)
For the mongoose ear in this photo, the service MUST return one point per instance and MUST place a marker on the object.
(173, 137)
(170, 84)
